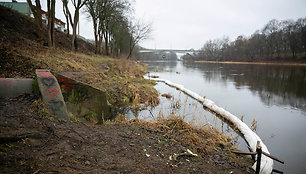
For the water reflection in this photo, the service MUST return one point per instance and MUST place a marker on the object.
(161, 65)
(276, 85)
(272, 95)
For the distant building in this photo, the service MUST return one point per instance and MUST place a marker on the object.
(58, 24)
(24, 8)
(86, 40)
(21, 7)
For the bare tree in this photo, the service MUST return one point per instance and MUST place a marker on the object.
(51, 19)
(36, 9)
(270, 30)
(92, 8)
(139, 31)
(110, 21)
(65, 4)
(78, 4)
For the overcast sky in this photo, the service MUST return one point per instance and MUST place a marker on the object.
(185, 24)
(182, 24)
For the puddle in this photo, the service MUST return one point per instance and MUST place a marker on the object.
(85, 101)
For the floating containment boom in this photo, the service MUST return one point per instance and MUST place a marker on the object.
(250, 137)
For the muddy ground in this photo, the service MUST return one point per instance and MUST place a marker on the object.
(33, 142)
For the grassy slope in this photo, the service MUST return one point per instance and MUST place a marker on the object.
(21, 54)
(121, 79)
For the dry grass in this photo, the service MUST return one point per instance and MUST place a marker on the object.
(205, 140)
(59, 61)
(124, 84)
(121, 79)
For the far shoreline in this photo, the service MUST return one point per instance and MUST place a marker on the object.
(255, 63)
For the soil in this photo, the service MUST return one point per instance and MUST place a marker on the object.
(18, 30)
(19, 42)
(33, 142)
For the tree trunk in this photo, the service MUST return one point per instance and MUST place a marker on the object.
(49, 23)
(100, 46)
(96, 35)
(51, 19)
(73, 42)
(74, 35)
(106, 42)
(52, 22)
(67, 19)
(132, 45)
(37, 16)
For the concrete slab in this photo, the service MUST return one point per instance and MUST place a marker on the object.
(10, 87)
(52, 94)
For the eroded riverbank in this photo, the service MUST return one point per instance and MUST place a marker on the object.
(33, 141)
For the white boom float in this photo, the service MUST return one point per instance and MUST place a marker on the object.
(251, 137)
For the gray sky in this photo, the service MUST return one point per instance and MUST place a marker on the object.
(182, 24)
(185, 24)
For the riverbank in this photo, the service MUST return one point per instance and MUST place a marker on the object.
(32, 141)
(161, 146)
(22, 52)
(285, 63)
(121, 79)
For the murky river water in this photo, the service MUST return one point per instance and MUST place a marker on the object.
(272, 96)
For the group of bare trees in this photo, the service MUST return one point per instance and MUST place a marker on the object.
(37, 12)
(115, 31)
(276, 41)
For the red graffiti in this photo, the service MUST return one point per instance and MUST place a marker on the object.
(46, 74)
(51, 92)
(41, 70)
(4, 80)
(65, 83)
(65, 86)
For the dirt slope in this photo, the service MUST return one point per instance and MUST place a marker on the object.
(19, 31)
(30, 142)
(19, 44)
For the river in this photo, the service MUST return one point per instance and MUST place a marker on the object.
(271, 97)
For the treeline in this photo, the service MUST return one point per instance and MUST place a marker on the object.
(115, 29)
(277, 40)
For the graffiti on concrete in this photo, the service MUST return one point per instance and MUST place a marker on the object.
(46, 74)
(55, 106)
(48, 81)
(51, 92)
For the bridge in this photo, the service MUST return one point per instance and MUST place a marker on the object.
(167, 54)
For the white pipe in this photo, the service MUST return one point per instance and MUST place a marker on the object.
(251, 137)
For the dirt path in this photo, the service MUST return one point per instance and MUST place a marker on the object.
(31, 143)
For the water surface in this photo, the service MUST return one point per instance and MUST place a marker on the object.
(272, 96)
